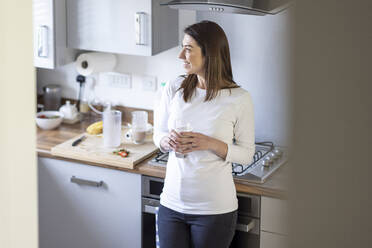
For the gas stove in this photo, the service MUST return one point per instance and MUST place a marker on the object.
(266, 160)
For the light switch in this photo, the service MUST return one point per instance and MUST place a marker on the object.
(149, 83)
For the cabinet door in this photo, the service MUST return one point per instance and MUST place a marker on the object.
(273, 240)
(113, 26)
(44, 33)
(274, 215)
(82, 215)
(49, 34)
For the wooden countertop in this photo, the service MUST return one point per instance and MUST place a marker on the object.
(275, 186)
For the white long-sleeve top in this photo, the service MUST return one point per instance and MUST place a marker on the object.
(202, 182)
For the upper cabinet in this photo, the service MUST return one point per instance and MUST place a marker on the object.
(136, 27)
(49, 32)
(140, 27)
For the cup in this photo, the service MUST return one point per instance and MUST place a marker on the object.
(111, 128)
(182, 126)
(137, 133)
(139, 119)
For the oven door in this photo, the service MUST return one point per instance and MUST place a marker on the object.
(152, 186)
(247, 233)
(149, 206)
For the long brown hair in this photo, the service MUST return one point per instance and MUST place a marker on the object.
(215, 48)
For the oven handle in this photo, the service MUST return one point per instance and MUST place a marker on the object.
(245, 227)
(149, 209)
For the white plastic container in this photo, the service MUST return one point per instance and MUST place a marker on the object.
(111, 128)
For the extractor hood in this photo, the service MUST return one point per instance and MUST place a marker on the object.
(248, 7)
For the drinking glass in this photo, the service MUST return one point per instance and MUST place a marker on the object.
(139, 119)
(139, 126)
(182, 126)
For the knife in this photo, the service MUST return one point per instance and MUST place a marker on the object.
(76, 142)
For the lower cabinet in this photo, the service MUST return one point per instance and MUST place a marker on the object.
(273, 240)
(274, 223)
(82, 206)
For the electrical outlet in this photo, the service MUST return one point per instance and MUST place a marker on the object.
(118, 80)
(149, 83)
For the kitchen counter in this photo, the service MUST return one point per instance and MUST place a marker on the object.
(275, 186)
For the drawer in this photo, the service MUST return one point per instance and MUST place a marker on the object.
(274, 215)
(77, 210)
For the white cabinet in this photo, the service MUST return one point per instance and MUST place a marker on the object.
(273, 240)
(140, 27)
(274, 223)
(49, 34)
(87, 213)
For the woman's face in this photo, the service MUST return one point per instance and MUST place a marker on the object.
(191, 54)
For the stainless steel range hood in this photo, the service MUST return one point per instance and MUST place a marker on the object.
(248, 7)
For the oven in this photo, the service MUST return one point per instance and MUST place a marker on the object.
(151, 190)
(247, 230)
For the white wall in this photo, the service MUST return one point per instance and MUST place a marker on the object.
(260, 58)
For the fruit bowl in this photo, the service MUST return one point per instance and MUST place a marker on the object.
(49, 119)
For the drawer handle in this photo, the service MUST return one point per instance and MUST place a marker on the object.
(85, 182)
(150, 209)
(245, 227)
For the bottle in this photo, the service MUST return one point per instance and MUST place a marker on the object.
(84, 108)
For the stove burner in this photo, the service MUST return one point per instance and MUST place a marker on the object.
(239, 169)
(160, 159)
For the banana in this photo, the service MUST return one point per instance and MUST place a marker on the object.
(95, 128)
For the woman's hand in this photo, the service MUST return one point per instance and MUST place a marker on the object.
(186, 142)
(192, 141)
(173, 141)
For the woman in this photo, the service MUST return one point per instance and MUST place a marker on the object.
(198, 202)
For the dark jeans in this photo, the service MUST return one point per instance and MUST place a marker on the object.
(177, 230)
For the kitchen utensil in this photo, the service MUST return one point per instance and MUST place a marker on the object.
(111, 128)
(76, 142)
(49, 119)
(52, 97)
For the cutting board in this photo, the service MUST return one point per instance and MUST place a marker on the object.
(91, 149)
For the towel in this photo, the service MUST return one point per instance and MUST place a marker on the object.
(156, 228)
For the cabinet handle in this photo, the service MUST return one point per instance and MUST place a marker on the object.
(42, 41)
(140, 28)
(245, 227)
(150, 209)
(86, 182)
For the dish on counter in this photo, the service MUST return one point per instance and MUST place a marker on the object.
(49, 119)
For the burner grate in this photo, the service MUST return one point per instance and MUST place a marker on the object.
(160, 159)
(262, 149)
